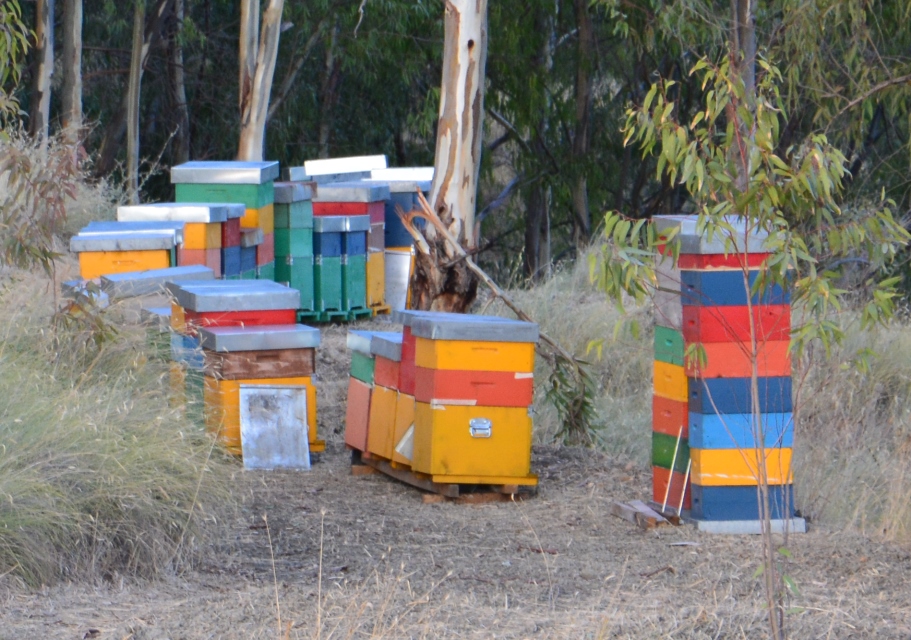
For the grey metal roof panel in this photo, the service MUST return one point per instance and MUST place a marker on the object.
(350, 164)
(387, 344)
(181, 211)
(99, 227)
(359, 341)
(251, 236)
(696, 241)
(402, 186)
(239, 295)
(420, 174)
(260, 338)
(331, 224)
(123, 242)
(295, 174)
(224, 172)
(139, 283)
(357, 223)
(350, 192)
(288, 192)
(456, 326)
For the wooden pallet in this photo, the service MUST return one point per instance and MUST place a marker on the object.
(366, 464)
(381, 309)
(639, 513)
(333, 315)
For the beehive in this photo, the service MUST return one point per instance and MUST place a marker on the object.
(707, 452)
(294, 239)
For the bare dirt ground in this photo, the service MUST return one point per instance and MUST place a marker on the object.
(328, 555)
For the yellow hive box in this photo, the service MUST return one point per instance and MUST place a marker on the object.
(670, 381)
(739, 467)
(202, 235)
(264, 218)
(94, 264)
(376, 278)
(473, 445)
(381, 429)
(222, 400)
(470, 355)
(177, 384)
(178, 318)
(404, 423)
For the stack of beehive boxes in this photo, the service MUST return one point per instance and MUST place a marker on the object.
(339, 268)
(236, 357)
(124, 249)
(205, 227)
(294, 239)
(706, 423)
(450, 401)
(250, 184)
(198, 378)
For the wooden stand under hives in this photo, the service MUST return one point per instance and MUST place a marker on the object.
(642, 515)
(366, 464)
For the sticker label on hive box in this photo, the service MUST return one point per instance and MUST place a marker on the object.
(405, 447)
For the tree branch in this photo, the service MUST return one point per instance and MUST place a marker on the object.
(885, 84)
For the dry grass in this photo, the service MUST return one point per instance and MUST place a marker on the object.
(98, 476)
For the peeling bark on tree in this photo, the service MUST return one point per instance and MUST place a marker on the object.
(442, 281)
(257, 66)
(39, 117)
(71, 91)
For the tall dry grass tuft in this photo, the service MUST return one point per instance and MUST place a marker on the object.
(98, 476)
(853, 431)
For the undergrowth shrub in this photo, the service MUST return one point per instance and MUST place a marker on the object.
(98, 476)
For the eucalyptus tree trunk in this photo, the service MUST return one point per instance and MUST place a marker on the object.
(328, 93)
(582, 136)
(39, 117)
(442, 281)
(117, 125)
(258, 53)
(181, 149)
(139, 17)
(743, 43)
(71, 91)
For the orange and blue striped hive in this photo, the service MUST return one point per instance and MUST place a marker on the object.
(712, 439)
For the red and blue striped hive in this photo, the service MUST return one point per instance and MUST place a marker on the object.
(707, 421)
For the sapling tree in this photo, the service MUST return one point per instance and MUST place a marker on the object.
(728, 159)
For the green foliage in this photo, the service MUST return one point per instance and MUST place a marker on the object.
(571, 390)
(793, 195)
(14, 44)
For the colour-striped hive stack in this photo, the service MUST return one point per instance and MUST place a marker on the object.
(294, 239)
(249, 317)
(705, 450)
(107, 248)
(250, 184)
(468, 381)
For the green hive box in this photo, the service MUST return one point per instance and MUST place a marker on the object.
(327, 283)
(669, 346)
(298, 273)
(663, 447)
(354, 281)
(248, 275)
(297, 215)
(266, 272)
(253, 196)
(297, 242)
(362, 367)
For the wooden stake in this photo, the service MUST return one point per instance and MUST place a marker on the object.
(686, 479)
(670, 477)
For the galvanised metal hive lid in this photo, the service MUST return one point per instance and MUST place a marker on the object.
(288, 192)
(351, 192)
(693, 240)
(387, 344)
(234, 295)
(260, 338)
(460, 326)
(407, 316)
(139, 283)
(204, 212)
(359, 341)
(164, 240)
(100, 227)
(224, 172)
(251, 236)
(357, 223)
(350, 164)
(332, 224)
(403, 179)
